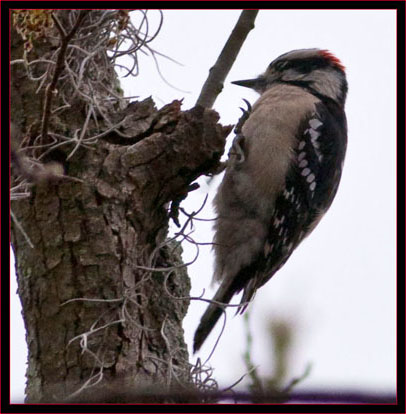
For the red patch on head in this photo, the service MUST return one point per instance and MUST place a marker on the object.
(334, 61)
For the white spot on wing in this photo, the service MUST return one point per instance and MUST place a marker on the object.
(314, 135)
(301, 156)
(310, 178)
(315, 123)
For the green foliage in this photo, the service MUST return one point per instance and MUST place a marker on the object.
(282, 336)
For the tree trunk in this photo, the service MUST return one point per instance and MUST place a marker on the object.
(98, 321)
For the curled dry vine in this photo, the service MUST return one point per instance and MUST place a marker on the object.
(87, 44)
(200, 374)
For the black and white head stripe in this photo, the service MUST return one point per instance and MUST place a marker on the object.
(306, 60)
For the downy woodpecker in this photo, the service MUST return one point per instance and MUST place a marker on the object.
(282, 175)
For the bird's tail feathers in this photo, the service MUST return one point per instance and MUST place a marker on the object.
(212, 314)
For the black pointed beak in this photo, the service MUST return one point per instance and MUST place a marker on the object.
(248, 83)
(257, 84)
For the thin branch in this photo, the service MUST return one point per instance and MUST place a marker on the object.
(20, 227)
(214, 83)
(50, 90)
(82, 133)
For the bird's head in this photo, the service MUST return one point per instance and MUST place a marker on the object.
(315, 69)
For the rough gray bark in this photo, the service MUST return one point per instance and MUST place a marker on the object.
(97, 320)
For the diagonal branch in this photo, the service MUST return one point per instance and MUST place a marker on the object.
(214, 83)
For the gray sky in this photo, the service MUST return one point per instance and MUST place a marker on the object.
(338, 288)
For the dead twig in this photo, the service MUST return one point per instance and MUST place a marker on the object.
(60, 63)
(214, 83)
